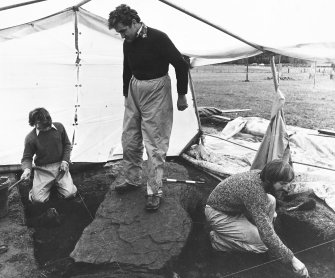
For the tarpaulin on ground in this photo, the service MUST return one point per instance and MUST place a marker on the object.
(234, 149)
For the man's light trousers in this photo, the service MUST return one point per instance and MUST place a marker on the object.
(148, 118)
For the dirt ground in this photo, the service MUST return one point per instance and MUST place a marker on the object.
(54, 242)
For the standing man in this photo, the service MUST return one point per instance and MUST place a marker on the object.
(50, 147)
(148, 101)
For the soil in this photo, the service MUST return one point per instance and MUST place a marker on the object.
(53, 242)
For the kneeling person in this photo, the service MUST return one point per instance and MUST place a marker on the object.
(50, 148)
(241, 212)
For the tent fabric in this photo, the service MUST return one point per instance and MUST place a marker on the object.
(300, 29)
(40, 64)
(85, 96)
(275, 143)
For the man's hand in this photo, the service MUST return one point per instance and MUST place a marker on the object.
(182, 102)
(26, 174)
(299, 268)
(64, 166)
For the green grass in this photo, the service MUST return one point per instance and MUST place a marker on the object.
(307, 105)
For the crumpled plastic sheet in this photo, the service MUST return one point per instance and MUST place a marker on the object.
(307, 146)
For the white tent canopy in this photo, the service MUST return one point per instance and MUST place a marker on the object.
(38, 60)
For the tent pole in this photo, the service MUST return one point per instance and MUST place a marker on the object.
(82, 3)
(77, 85)
(274, 75)
(195, 105)
(279, 69)
(247, 77)
(20, 4)
(213, 25)
(314, 72)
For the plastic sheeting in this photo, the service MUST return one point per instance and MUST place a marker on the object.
(239, 141)
(275, 142)
(234, 149)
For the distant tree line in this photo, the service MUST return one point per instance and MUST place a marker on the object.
(264, 58)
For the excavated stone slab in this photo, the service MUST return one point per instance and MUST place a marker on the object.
(125, 234)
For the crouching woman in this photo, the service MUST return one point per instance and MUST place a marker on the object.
(241, 212)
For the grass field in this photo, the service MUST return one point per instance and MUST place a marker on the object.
(307, 105)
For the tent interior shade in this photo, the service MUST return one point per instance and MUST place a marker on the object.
(38, 60)
(86, 97)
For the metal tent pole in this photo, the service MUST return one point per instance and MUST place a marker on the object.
(82, 3)
(195, 103)
(20, 4)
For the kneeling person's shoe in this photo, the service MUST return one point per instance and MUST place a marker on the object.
(153, 202)
(125, 187)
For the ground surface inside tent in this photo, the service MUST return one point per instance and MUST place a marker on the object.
(53, 243)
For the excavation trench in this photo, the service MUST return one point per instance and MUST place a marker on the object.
(54, 242)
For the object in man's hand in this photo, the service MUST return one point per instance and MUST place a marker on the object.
(308, 204)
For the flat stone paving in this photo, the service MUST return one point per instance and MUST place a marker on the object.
(125, 234)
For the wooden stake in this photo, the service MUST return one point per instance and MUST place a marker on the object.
(314, 73)
(274, 75)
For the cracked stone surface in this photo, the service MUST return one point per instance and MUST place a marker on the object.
(125, 234)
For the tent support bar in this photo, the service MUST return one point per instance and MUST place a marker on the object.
(274, 75)
(193, 141)
(195, 104)
(212, 24)
(82, 3)
(20, 4)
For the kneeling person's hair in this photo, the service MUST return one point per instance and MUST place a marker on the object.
(40, 115)
(277, 170)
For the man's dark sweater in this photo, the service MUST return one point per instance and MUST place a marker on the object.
(48, 147)
(149, 58)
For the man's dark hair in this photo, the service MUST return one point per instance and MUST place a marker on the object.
(277, 170)
(122, 14)
(41, 115)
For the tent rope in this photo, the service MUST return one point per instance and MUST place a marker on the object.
(275, 260)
